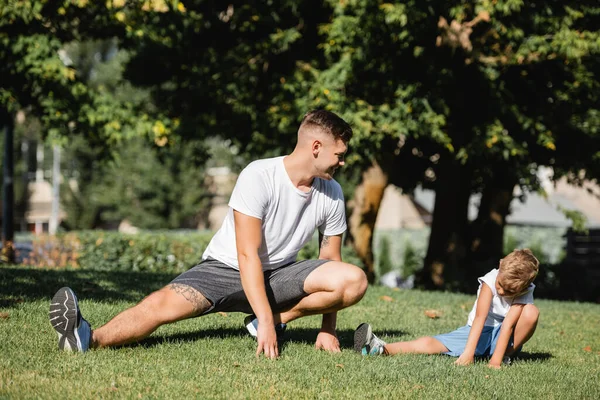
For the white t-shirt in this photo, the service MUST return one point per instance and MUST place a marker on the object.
(289, 216)
(500, 305)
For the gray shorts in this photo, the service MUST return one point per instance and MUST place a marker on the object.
(222, 285)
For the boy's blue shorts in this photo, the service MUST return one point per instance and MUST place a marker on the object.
(456, 341)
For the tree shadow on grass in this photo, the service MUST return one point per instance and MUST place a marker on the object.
(292, 335)
(22, 284)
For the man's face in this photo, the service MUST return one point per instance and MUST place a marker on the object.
(330, 157)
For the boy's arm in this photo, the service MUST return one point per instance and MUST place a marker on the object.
(508, 327)
(481, 312)
(330, 248)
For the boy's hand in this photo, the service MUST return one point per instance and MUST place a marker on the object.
(493, 365)
(464, 360)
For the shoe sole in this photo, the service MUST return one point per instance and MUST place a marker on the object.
(362, 336)
(63, 317)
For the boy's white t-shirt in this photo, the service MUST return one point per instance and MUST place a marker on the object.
(500, 305)
(289, 216)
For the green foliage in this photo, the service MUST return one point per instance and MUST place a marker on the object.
(162, 188)
(413, 259)
(547, 244)
(42, 74)
(514, 88)
(169, 251)
(164, 183)
(384, 261)
(577, 218)
(112, 251)
(408, 246)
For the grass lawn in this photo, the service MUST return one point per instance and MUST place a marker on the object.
(213, 356)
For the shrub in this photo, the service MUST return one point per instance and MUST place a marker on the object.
(385, 261)
(413, 259)
(101, 250)
(113, 251)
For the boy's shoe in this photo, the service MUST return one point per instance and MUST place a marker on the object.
(507, 360)
(74, 332)
(366, 343)
(251, 323)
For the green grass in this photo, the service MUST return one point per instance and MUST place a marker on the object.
(213, 357)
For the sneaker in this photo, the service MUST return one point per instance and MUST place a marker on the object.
(507, 360)
(251, 323)
(74, 332)
(366, 343)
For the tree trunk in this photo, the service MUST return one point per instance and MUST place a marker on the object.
(449, 228)
(8, 230)
(487, 233)
(365, 206)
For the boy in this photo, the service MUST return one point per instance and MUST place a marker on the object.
(503, 318)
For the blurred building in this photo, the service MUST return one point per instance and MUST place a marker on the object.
(400, 210)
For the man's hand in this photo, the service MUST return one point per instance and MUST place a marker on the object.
(464, 360)
(267, 341)
(328, 341)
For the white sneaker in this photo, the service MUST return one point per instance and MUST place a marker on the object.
(251, 323)
(366, 343)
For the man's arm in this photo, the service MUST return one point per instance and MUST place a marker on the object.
(248, 236)
(481, 312)
(507, 329)
(330, 248)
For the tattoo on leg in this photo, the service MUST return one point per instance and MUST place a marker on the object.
(199, 302)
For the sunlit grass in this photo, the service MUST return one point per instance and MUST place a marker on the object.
(213, 357)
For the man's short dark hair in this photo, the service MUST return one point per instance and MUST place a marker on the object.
(328, 122)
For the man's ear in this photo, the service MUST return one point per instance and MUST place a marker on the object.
(316, 147)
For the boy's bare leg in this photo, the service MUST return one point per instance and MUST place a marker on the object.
(331, 287)
(423, 345)
(525, 327)
(172, 303)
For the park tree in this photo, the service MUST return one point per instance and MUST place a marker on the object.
(152, 183)
(39, 80)
(220, 67)
(461, 97)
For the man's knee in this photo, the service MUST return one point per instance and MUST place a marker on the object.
(354, 284)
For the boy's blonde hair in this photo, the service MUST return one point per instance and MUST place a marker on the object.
(518, 270)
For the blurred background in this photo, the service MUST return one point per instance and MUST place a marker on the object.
(476, 130)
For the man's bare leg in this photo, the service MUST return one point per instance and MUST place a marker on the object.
(331, 287)
(172, 303)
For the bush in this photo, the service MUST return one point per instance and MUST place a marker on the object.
(413, 259)
(157, 252)
(546, 243)
(385, 261)
(100, 250)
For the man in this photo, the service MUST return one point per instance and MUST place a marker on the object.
(250, 264)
